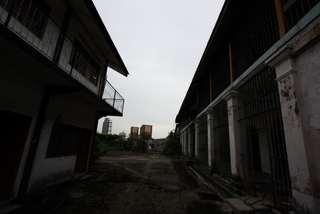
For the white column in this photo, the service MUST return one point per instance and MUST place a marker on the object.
(234, 133)
(189, 142)
(210, 138)
(288, 85)
(185, 149)
(181, 141)
(196, 138)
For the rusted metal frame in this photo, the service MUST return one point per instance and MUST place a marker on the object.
(248, 107)
(271, 151)
(221, 122)
(230, 61)
(203, 140)
(265, 116)
(269, 117)
(280, 18)
(282, 161)
(281, 184)
(221, 73)
(244, 135)
(276, 165)
(275, 140)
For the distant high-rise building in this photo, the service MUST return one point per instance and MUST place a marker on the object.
(147, 129)
(134, 133)
(107, 126)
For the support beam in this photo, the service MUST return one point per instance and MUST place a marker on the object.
(280, 18)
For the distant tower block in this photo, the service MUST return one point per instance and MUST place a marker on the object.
(147, 129)
(107, 126)
(134, 133)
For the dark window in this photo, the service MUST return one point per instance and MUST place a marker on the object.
(33, 14)
(295, 10)
(64, 140)
(256, 31)
(84, 64)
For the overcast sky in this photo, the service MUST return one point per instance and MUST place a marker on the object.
(161, 43)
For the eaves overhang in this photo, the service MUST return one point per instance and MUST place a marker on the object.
(226, 21)
(87, 13)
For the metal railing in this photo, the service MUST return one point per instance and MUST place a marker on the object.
(112, 97)
(44, 38)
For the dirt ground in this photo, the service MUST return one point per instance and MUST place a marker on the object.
(145, 183)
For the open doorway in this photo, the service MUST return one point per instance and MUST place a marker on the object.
(13, 135)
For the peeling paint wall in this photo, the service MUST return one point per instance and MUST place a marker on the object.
(297, 66)
(308, 67)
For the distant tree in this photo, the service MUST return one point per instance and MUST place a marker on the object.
(144, 136)
(172, 145)
(106, 142)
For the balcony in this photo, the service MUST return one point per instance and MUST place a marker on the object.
(42, 33)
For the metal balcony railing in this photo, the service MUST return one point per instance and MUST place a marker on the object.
(40, 31)
(112, 97)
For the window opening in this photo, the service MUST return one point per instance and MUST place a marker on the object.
(64, 140)
(84, 64)
(33, 14)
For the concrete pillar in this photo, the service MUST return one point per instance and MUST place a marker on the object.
(181, 141)
(189, 141)
(288, 85)
(185, 147)
(210, 139)
(192, 136)
(196, 138)
(234, 133)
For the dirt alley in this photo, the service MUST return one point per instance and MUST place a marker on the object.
(144, 183)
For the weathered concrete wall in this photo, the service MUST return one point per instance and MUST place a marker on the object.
(48, 171)
(308, 107)
(297, 66)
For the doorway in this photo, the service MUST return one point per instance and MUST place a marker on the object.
(83, 151)
(13, 135)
